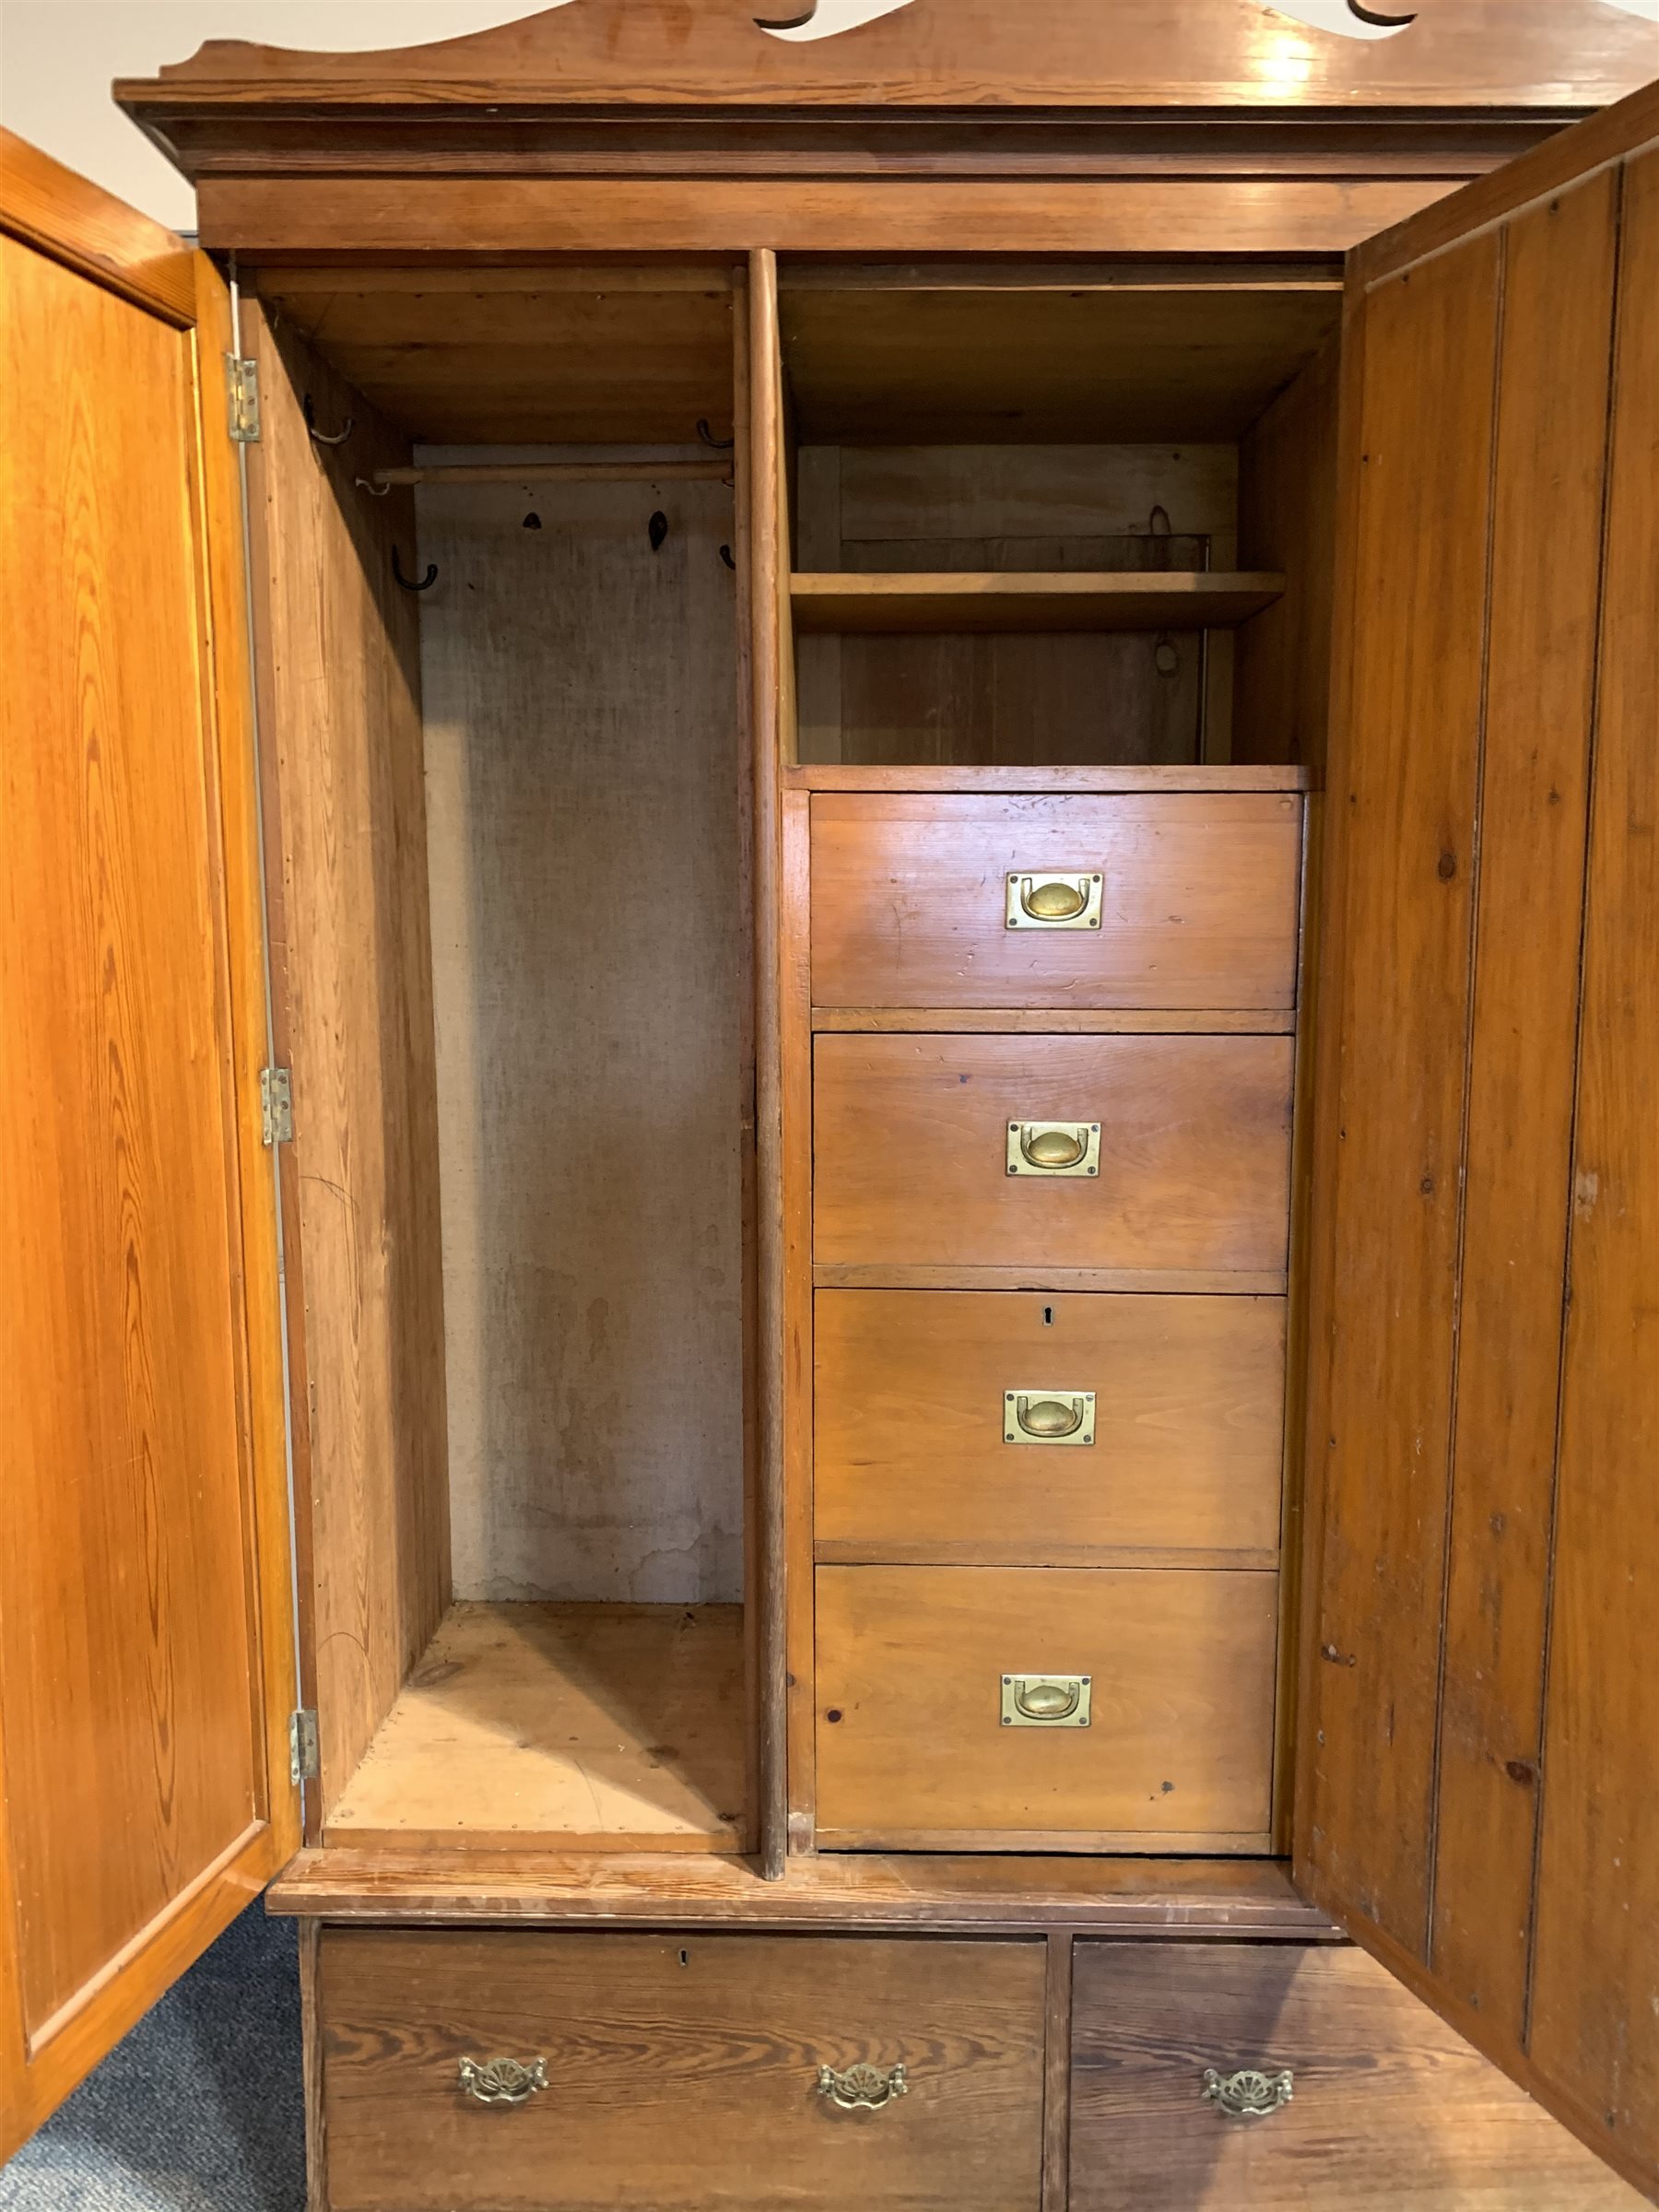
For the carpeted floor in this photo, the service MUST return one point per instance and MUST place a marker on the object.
(199, 2110)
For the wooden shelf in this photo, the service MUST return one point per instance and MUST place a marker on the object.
(970, 600)
(592, 1727)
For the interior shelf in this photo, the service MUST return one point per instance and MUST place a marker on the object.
(605, 1727)
(1078, 600)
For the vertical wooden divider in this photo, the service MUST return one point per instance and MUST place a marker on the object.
(768, 586)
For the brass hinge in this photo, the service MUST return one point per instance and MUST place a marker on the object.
(305, 1763)
(276, 1105)
(241, 391)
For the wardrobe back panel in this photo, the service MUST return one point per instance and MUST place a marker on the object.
(340, 716)
(590, 977)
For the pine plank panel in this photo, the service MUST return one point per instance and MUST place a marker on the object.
(1178, 1754)
(1392, 2110)
(128, 1630)
(1198, 902)
(1288, 520)
(600, 1727)
(338, 668)
(1547, 525)
(975, 781)
(681, 2071)
(910, 1138)
(1595, 2025)
(85, 229)
(910, 1461)
(1385, 1340)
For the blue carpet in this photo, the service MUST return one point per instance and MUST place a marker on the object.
(200, 2109)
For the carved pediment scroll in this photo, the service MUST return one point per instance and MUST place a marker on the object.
(1024, 54)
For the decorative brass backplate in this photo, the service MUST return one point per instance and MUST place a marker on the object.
(863, 2085)
(1048, 1416)
(1248, 2094)
(1047, 899)
(503, 2080)
(1046, 1700)
(1054, 1149)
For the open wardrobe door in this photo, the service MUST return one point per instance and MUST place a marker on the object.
(1478, 1735)
(147, 1641)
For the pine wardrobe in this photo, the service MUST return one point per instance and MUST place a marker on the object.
(831, 1209)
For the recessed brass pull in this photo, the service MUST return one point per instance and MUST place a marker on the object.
(1048, 1416)
(1063, 899)
(1248, 2094)
(503, 2080)
(1054, 1149)
(1046, 1700)
(863, 2085)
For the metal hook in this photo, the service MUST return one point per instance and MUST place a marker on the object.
(427, 582)
(375, 492)
(1166, 655)
(657, 529)
(322, 437)
(725, 555)
(720, 445)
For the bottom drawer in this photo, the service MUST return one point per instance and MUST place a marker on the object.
(682, 2072)
(921, 1744)
(1390, 2110)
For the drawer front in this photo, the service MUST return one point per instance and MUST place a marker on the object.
(912, 1750)
(681, 2071)
(953, 1427)
(1390, 2110)
(911, 1150)
(1197, 907)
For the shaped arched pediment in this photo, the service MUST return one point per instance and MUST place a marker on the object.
(973, 54)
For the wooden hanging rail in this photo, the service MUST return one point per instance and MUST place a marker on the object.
(564, 472)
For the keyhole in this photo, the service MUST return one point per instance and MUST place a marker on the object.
(1048, 1317)
(685, 1957)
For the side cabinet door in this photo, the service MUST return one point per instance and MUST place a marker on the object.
(145, 1637)
(1478, 1737)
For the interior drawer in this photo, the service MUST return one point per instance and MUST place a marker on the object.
(1024, 1428)
(915, 1668)
(681, 2071)
(1196, 904)
(919, 1158)
(1390, 2110)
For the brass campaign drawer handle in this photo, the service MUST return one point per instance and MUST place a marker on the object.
(1049, 1416)
(1248, 2094)
(1054, 1149)
(503, 2080)
(1066, 898)
(1046, 1700)
(862, 2086)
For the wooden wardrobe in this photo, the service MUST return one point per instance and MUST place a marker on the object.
(829, 1191)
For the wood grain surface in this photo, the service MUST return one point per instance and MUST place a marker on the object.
(1392, 2111)
(911, 1465)
(681, 2071)
(1198, 902)
(1034, 601)
(339, 692)
(1178, 1754)
(592, 1727)
(145, 1657)
(911, 1137)
(1595, 2028)
(940, 53)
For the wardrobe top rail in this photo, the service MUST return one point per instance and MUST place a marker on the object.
(1070, 55)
